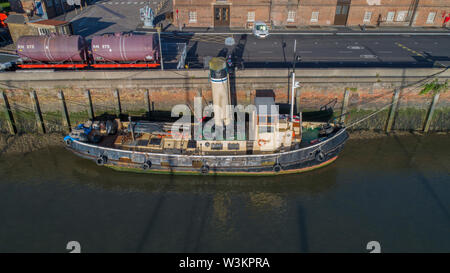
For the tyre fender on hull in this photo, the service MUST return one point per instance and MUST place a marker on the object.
(320, 156)
(277, 168)
(101, 160)
(68, 141)
(147, 165)
(204, 169)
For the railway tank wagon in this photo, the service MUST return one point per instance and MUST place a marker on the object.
(124, 51)
(54, 51)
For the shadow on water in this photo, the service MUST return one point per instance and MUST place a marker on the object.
(421, 177)
(289, 213)
(155, 210)
(304, 248)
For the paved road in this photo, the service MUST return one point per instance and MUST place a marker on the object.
(321, 51)
(107, 16)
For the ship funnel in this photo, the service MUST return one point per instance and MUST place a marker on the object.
(220, 91)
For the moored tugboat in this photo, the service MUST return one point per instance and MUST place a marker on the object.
(251, 140)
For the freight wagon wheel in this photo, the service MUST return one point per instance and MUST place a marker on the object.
(147, 165)
(204, 169)
(320, 156)
(101, 160)
(277, 168)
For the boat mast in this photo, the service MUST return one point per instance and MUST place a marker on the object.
(293, 81)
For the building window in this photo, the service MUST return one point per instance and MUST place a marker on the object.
(251, 16)
(314, 17)
(367, 17)
(192, 17)
(43, 31)
(401, 16)
(390, 16)
(291, 16)
(431, 16)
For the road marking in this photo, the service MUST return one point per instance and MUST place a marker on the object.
(355, 47)
(420, 55)
(369, 56)
(395, 34)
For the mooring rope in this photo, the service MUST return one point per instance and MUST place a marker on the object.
(379, 110)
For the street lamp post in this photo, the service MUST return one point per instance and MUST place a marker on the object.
(160, 48)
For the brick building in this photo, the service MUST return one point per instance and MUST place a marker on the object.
(43, 8)
(293, 13)
(19, 25)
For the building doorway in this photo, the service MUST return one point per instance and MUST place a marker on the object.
(221, 16)
(341, 15)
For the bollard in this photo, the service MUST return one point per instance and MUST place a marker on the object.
(393, 109)
(9, 114)
(65, 113)
(119, 106)
(345, 105)
(87, 94)
(37, 112)
(430, 113)
(147, 99)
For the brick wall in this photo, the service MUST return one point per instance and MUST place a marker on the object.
(299, 13)
(18, 30)
(367, 94)
(396, 8)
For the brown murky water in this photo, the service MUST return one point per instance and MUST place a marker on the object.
(394, 190)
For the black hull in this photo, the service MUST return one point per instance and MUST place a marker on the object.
(300, 160)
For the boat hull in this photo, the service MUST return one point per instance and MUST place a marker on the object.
(295, 161)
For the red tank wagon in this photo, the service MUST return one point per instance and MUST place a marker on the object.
(123, 51)
(54, 51)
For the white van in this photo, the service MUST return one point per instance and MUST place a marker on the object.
(260, 29)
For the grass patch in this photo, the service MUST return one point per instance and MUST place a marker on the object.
(5, 6)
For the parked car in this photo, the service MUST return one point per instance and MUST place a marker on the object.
(260, 29)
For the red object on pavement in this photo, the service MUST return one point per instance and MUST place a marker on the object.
(447, 19)
(3, 18)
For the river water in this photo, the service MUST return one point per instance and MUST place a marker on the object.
(394, 190)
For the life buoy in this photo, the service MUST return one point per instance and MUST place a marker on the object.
(320, 156)
(277, 168)
(262, 140)
(147, 165)
(101, 160)
(204, 169)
